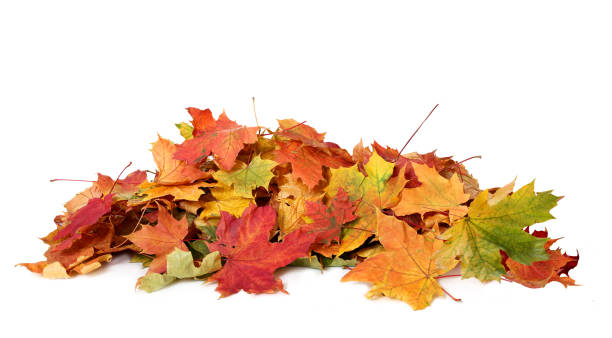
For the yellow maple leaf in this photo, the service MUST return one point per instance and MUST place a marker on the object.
(292, 197)
(188, 192)
(225, 200)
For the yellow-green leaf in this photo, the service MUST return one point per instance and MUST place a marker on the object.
(244, 178)
(487, 229)
(375, 191)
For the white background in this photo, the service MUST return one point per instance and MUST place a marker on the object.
(85, 87)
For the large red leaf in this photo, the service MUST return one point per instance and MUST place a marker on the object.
(251, 258)
(223, 138)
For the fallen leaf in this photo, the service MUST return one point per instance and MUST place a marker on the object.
(478, 238)
(538, 274)
(406, 269)
(223, 138)
(377, 190)
(172, 171)
(251, 258)
(244, 178)
(435, 193)
(161, 239)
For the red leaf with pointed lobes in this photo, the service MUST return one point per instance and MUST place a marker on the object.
(251, 258)
(223, 138)
(122, 190)
(128, 185)
(202, 120)
(327, 221)
(307, 162)
(87, 215)
(539, 274)
(161, 239)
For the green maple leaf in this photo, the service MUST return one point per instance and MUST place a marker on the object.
(489, 228)
(179, 265)
(245, 178)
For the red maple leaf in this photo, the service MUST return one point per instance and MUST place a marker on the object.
(430, 159)
(223, 138)
(87, 215)
(251, 258)
(161, 239)
(327, 221)
(307, 162)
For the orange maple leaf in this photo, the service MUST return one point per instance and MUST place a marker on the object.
(406, 270)
(251, 258)
(170, 170)
(161, 239)
(223, 138)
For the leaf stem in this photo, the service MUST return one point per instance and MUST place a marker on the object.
(410, 139)
(117, 179)
(451, 296)
(69, 180)
(447, 276)
(255, 113)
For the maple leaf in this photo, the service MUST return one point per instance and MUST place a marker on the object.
(326, 222)
(85, 216)
(361, 154)
(244, 178)
(223, 137)
(406, 269)
(540, 273)
(435, 193)
(443, 165)
(307, 162)
(292, 197)
(290, 128)
(487, 229)
(161, 239)
(251, 258)
(188, 192)
(91, 238)
(185, 129)
(170, 170)
(304, 147)
(122, 189)
(179, 265)
(227, 200)
(83, 253)
(377, 190)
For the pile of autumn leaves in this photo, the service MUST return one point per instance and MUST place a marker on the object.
(233, 204)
